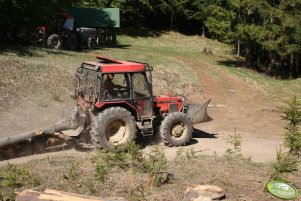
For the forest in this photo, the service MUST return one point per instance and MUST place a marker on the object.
(265, 33)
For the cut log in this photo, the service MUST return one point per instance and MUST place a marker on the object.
(76, 121)
(54, 195)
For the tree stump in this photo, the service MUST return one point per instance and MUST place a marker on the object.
(207, 50)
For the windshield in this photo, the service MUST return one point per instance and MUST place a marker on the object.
(69, 24)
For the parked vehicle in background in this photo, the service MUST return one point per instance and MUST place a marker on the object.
(79, 27)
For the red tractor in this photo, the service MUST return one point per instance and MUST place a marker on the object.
(117, 98)
(58, 32)
(115, 102)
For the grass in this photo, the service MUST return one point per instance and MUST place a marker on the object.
(67, 173)
(276, 88)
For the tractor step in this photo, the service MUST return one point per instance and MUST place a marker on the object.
(147, 132)
(146, 127)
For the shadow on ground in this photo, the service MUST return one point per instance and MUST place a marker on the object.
(30, 51)
(203, 134)
(232, 63)
(142, 32)
(105, 47)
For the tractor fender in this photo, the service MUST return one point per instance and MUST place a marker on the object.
(104, 105)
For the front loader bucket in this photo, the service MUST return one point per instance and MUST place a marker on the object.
(198, 113)
(52, 138)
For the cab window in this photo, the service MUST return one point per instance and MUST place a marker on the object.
(69, 24)
(115, 86)
(140, 86)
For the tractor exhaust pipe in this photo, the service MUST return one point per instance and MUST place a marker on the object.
(198, 113)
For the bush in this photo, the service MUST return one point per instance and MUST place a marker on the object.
(285, 163)
(12, 178)
(103, 161)
(155, 165)
(235, 141)
(292, 137)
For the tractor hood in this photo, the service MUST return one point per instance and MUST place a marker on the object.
(198, 113)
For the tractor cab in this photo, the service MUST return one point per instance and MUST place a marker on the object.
(109, 83)
(59, 22)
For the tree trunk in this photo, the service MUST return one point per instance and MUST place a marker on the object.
(203, 31)
(291, 67)
(258, 66)
(297, 64)
(271, 62)
(171, 19)
(248, 54)
(238, 48)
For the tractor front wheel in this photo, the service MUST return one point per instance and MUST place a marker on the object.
(54, 41)
(112, 128)
(176, 129)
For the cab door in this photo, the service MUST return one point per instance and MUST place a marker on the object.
(142, 95)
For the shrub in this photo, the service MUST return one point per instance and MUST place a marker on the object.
(292, 137)
(12, 178)
(235, 141)
(285, 163)
(155, 165)
(73, 172)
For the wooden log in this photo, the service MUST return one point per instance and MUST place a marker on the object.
(54, 195)
(26, 136)
(75, 121)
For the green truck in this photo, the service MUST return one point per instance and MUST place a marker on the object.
(80, 27)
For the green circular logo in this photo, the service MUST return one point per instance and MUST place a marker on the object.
(282, 190)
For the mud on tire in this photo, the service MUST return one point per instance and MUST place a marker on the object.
(176, 129)
(112, 128)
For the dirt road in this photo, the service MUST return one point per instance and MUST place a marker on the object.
(241, 106)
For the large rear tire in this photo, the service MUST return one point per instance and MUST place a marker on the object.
(176, 129)
(113, 128)
(91, 43)
(54, 41)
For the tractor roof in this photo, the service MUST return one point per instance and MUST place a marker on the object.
(107, 65)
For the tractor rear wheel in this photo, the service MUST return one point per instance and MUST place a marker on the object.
(112, 128)
(54, 41)
(176, 129)
(91, 43)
